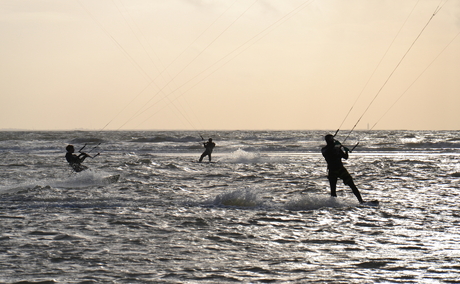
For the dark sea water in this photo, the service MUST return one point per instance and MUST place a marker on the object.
(261, 213)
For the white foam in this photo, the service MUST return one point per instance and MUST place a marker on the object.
(81, 180)
(245, 157)
(239, 198)
(74, 180)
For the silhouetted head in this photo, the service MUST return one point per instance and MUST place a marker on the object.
(70, 148)
(210, 140)
(329, 139)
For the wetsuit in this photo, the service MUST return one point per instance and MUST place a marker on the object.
(209, 147)
(336, 170)
(334, 156)
(75, 162)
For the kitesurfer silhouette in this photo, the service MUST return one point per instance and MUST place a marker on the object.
(74, 160)
(334, 154)
(209, 146)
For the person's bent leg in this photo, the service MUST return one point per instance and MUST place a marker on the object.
(355, 190)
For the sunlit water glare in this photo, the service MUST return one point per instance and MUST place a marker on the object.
(260, 213)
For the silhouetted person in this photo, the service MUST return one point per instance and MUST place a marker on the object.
(336, 170)
(209, 146)
(74, 160)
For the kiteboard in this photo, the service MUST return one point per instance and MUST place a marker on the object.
(370, 203)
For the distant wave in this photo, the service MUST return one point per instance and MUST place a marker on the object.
(241, 156)
(437, 145)
(165, 138)
(86, 140)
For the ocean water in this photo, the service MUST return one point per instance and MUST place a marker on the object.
(260, 213)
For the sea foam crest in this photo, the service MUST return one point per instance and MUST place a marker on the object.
(81, 180)
(245, 157)
(239, 198)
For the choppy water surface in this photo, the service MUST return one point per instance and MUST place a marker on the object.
(261, 213)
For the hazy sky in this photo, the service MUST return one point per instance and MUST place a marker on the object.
(226, 64)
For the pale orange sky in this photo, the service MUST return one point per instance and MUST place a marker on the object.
(224, 65)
